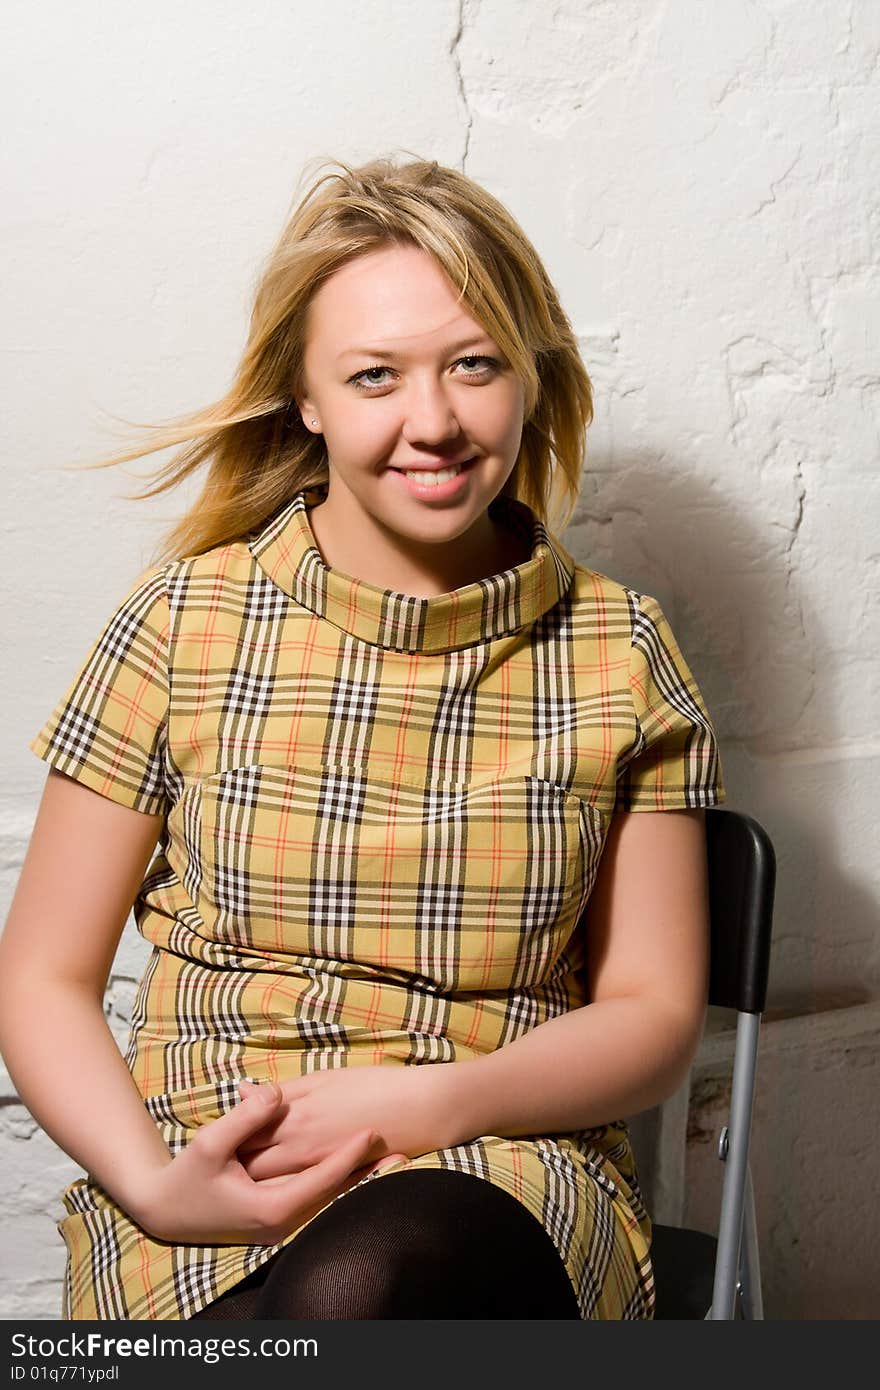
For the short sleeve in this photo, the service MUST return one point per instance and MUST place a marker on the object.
(109, 729)
(674, 761)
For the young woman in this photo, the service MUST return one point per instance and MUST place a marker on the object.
(363, 749)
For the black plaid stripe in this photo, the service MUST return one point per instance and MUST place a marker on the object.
(109, 730)
(675, 731)
(105, 1252)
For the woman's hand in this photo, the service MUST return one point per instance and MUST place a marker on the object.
(409, 1106)
(204, 1196)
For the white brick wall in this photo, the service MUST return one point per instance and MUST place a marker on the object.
(699, 180)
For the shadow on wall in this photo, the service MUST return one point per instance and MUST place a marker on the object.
(729, 584)
(730, 590)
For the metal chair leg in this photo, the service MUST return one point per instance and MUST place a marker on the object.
(727, 1265)
(750, 1263)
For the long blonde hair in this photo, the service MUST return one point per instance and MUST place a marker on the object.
(258, 449)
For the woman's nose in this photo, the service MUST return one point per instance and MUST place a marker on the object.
(429, 414)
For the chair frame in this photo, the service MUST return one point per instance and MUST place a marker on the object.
(737, 1263)
(742, 878)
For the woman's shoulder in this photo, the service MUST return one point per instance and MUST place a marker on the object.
(591, 586)
(615, 606)
(230, 561)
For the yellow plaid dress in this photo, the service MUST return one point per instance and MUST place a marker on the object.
(384, 818)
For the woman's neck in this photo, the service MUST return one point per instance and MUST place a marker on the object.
(423, 573)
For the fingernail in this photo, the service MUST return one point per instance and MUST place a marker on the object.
(266, 1090)
(385, 1163)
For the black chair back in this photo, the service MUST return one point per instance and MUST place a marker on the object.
(742, 879)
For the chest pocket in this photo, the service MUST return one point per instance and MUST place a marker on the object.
(448, 887)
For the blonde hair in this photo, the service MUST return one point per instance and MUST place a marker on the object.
(260, 452)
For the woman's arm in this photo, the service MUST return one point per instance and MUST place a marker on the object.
(84, 865)
(631, 1047)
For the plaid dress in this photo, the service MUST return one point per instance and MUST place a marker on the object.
(383, 819)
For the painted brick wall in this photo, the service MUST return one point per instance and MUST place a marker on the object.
(698, 178)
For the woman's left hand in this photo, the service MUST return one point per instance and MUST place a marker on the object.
(409, 1106)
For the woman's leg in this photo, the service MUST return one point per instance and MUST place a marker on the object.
(420, 1243)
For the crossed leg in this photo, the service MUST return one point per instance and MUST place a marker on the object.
(419, 1243)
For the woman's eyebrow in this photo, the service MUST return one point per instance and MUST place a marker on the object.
(470, 342)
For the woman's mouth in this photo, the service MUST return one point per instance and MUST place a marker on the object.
(439, 482)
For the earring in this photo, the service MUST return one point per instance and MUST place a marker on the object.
(314, 422)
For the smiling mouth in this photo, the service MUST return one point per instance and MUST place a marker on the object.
(435, 476)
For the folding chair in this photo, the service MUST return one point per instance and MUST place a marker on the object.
(693, 1271)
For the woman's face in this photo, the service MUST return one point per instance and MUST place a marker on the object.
(399, 377)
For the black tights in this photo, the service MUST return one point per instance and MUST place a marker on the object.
(419, 1243)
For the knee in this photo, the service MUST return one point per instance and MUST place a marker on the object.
(384, 1250)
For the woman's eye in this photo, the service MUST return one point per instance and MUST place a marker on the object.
(486, 361)
(483, 366)
(361, 378)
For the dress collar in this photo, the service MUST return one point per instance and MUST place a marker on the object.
(286, 550)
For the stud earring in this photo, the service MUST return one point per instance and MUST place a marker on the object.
(314, 422)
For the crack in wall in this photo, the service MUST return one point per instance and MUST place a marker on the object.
(776, 184)
(463, 8)
(791, 587)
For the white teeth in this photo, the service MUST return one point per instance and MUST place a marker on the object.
(434, 479)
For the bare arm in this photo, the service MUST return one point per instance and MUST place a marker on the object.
(647, 944)
(85, 862)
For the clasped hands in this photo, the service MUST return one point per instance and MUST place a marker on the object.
(321, 1109)
(273, 1161)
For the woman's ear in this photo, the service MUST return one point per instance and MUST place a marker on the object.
(309, 415)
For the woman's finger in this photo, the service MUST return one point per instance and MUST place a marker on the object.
(266, 1161)
(220, 1138)
(386, 1162)
(310, 1189)
(258, 1139)
(368, 1168)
